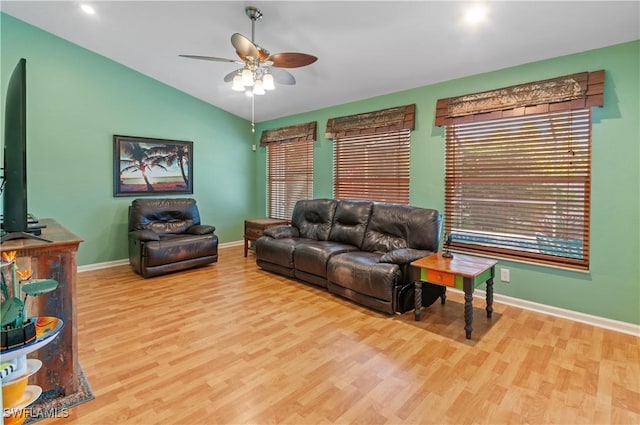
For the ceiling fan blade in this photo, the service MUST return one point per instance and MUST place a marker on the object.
(244, 47)
(211, 58)
(281, 76)
(291, 59)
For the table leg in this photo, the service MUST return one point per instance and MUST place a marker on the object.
(246, 246)
(489, 297)
(468, 307)
(443, 297)
(417, 303)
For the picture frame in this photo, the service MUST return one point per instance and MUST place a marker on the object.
(145, 166)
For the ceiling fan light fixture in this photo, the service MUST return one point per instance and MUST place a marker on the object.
(257, 63)
(267, 82)
(237, 83)
(247, 77)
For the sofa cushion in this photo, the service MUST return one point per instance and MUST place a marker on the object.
(312, 256)
(144, 235)
(277, 251)
(362, 273)
(350, 222)
(401, 226)
(313, 218)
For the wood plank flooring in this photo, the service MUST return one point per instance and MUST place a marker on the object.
(232, 344)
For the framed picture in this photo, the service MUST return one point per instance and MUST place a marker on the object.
(147, 167)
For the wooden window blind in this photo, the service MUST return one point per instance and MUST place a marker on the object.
(373, 166)
(289, 176)
(520, 187)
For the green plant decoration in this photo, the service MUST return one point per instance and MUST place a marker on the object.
(13, 309)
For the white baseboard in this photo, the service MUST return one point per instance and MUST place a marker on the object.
(105, 265)
(601, 322)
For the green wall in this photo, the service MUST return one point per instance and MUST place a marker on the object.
(611, 288)
(76, 101)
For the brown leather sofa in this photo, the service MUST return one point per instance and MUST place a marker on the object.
(359, 250)
(165, 235)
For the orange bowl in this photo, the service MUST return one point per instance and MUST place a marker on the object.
(12, 392)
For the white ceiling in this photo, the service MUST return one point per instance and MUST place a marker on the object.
(365, 48)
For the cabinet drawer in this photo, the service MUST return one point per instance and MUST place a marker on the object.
(253, 232)
(441, 278)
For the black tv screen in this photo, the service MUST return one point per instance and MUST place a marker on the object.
(15, 152)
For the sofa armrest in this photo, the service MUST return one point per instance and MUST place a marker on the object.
(403, 255)
(144, 235)
(282, 232)
(201, 229)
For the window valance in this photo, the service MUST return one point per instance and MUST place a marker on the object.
(383, 121)
(577, 91)
(293, 133)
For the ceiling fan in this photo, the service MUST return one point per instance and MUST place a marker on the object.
(260, 68)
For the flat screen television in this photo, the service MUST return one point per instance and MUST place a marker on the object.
(15, 218)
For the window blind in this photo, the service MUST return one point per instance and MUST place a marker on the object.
(520, 187)
(373, 166)
(289, 176)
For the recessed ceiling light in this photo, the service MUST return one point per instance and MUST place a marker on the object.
(475, 14)
(87, 9)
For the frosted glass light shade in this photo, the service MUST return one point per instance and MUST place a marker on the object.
(247, 77)
(258, 88)
(237, 83)
(267, 82)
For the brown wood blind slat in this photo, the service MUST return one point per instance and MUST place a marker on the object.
(289, 176)
(520, 187)
(373, 167)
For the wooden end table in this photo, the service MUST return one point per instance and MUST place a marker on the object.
(462, 272)
(254, 228)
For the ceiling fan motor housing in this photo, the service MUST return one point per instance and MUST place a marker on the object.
(253, 13)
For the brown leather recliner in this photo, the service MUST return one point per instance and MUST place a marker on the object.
(165, 235)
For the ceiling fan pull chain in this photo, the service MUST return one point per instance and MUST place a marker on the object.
(253, 110)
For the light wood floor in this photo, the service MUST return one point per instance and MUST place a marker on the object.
(232, 344)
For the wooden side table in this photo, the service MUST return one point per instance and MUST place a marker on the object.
(461, 272)
(254, 228)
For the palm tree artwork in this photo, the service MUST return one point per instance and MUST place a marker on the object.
(163, 167)
(174, 155)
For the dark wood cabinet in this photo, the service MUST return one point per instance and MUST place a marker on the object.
(56, 260)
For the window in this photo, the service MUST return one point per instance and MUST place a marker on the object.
(518, 169)
(373, 166)
(520, 187)
(371, 154)
(289, 176)
(289, 166)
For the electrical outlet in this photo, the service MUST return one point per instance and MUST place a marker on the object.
(254, 148)
(505, 275)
